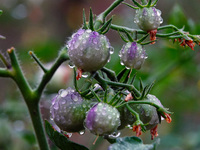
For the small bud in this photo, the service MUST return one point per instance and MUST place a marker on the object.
(102, 119)
(148, 19)
(132, 55)
(89, 50)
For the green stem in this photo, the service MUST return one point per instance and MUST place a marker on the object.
(110, 73)
(168, 35)
(31, 99)
(133, 112)
(38, 61)
(4, 73)
(4, 61)
(101, 18)
(145, 102)
(38, 125)
(117, 84)
(18, 76)
(48, 75)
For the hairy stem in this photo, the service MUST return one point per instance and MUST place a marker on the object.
(38, 125)
(101, 18)
(49, 73)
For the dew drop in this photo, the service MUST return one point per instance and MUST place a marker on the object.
(63, 93)
(71, 65)
(56, 106)
(82, 132)
(121, 63)
(51, 117)
(85, 75)
(161, 20)
(114, 135)
(158, 12)
(127, 67)
(111, 50)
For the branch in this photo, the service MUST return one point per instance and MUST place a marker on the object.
(4, 73)
(63, 56)
(18, 76)
(101, 18)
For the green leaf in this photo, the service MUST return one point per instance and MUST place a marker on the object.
(60, 140)
(132, 143)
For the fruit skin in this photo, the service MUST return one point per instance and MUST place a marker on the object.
(88, 50)
(148, 114)
(132, 55)
(148, 19)
(68, 110)
(102, 119)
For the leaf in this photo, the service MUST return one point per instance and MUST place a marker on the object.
(1, 12)
(132, 143)
(60, 140)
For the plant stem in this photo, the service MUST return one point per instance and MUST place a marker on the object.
(48, 75)
(101, 18)
(38, 125)
(145, 102)
(31, 98)
(4, 73)
(117, 84)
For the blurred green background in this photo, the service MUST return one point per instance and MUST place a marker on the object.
(44, 26)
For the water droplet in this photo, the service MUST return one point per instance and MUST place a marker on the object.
(88, 31)
(85, 74)
(161, 20)
(56, 106)
(114, 135)
(158, 12)
(71, 65)
(63, 93)
(109, 59)
(111, 50)
(127, 67)
(51, 117)
(121, 63)
(82, 132)
(129, 126)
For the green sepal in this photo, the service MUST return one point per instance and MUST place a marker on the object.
(91, 23)
(60, 140)
(110, 74)
(143, 38)
(133, 78)
(154, 3)
(127, 76)
(105, 26)
(122, 37)
(149, 3)
(84, 20)
(141, 85)
(137, 4)
(146, 43)
(146, 90)
(130, 6)
(1, 12)
(120, 75)
(128, 36)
